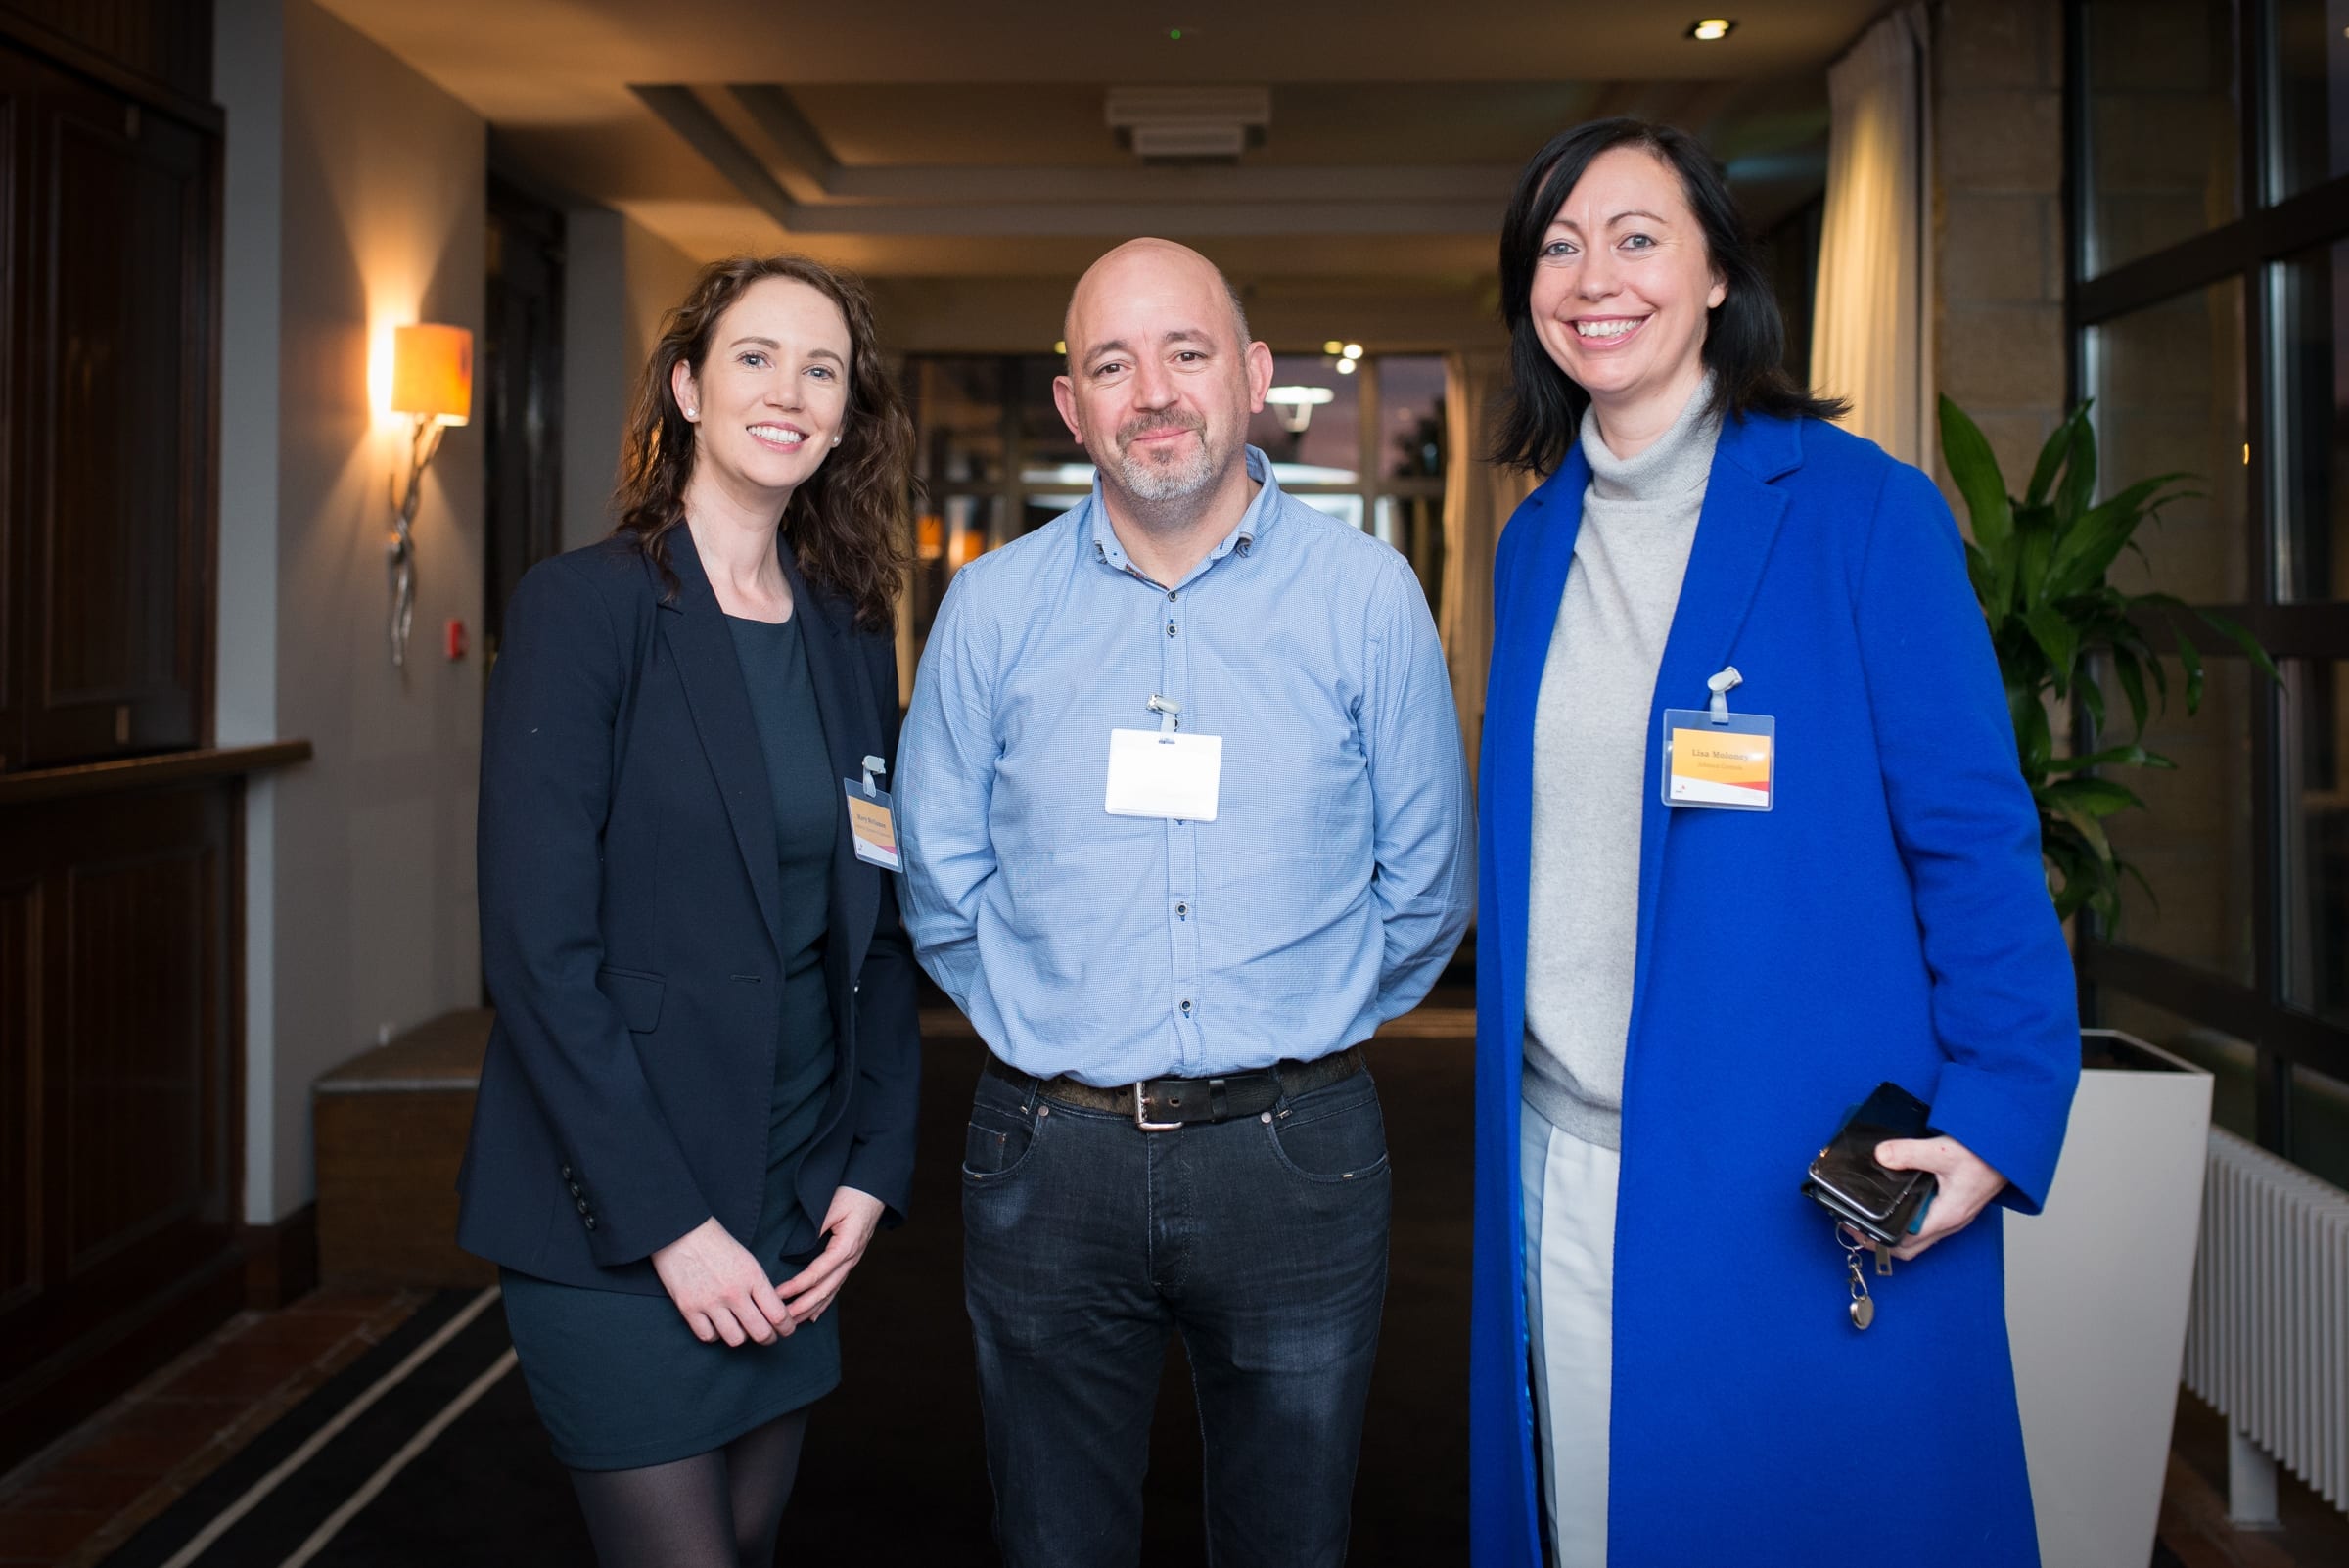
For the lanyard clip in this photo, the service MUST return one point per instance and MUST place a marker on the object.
(872, 765)
(1719, 686)
(1166, 709)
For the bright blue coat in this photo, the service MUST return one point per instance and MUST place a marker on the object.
(1889, 919)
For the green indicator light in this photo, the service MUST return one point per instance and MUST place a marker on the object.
(1174, 33)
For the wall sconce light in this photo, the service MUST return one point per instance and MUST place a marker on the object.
(1295, 405)
(431, 383)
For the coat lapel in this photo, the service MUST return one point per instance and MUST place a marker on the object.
(852, 730)
(1734, 532)
(695, 629)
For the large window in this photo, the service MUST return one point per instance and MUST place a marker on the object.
(2209, 288)
(1363, 444)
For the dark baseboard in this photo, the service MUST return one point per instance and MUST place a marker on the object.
(280, 1260)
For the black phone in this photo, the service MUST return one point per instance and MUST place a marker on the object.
(1847, 1181)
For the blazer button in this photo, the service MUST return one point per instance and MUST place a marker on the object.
(583, 1205)
(591, 1222)
(567, 1173)
(575, 1192)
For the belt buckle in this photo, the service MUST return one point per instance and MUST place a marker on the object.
(1148, 1126)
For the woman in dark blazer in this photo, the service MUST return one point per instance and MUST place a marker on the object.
(698, 1102)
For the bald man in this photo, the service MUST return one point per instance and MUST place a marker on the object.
(1184, 816)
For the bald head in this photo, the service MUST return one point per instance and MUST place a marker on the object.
(1162, 380)
(1149, 265)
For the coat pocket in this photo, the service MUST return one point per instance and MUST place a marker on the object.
(635, 994)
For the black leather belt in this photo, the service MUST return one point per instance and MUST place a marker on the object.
(1162, 1104)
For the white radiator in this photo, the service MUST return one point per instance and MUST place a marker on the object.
(2268, 1338)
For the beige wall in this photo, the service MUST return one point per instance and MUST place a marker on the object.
(364, 915)
(1998, 165)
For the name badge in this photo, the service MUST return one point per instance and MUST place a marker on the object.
(1163, 774)
(1724, 762)
(872, 825)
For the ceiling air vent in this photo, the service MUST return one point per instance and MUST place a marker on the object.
(1189, 124)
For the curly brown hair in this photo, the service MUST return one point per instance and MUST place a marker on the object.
(847, 525)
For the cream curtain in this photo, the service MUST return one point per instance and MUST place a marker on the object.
(1873, 340)
(1478, 499)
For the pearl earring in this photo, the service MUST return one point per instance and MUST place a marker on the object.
(836, 440)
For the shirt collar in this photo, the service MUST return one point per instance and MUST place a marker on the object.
(1261, 512)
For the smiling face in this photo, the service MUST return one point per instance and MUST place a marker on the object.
(1621, 287)
(771, 393)
(1160, 386)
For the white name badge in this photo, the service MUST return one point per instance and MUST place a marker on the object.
(1154, 773)
(872, 825)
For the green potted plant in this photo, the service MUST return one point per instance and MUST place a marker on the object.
(2097, 1286)
(2039, 565)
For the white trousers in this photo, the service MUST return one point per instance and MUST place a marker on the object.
(1569, 1189)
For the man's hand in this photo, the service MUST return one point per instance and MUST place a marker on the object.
(1963, 1182)
(719, 1287)
(848, 1227)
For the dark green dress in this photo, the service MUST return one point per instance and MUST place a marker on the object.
(617, 1378)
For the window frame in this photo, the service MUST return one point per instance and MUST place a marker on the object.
(2265, 237)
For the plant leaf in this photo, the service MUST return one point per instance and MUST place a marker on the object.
(2189, 658)
(2051, 455)
(2095, 540)
(2130, 675)
(2093, 797)
(2234, 632)
(1976, 470)
(2058, 639)
(2079, 474)
(2111, 756)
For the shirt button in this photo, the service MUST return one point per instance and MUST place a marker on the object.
(1172, 596)
(1170, 629)
(1183, 911)
(1186, 1007)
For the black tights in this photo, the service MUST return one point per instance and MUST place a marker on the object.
(720, 1509)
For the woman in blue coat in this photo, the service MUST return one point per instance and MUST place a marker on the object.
(1691, 969)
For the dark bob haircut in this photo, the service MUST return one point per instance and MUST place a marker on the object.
(1746, 338)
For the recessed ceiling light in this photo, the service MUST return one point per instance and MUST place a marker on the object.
(1352, 350)
(1060, 345)
(1345, 367)
(1711, 30)
(1333, 348)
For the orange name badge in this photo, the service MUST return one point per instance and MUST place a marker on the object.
(871, 825)
(1713, 762)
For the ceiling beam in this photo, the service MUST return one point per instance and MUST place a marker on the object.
(803, 160)
(1123, 218)
(948, 184)
(685, 114)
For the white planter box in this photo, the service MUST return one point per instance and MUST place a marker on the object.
(2097, 1295)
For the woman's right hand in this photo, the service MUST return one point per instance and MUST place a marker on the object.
(720, 1288)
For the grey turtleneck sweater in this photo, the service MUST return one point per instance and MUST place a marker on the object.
(1590, 749)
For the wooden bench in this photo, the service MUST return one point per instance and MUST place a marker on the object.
(389, 1132)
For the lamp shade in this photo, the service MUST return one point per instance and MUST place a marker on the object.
(432, 372)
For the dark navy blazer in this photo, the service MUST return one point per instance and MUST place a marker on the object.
(630, 927)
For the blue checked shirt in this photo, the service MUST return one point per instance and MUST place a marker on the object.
(1336, 878)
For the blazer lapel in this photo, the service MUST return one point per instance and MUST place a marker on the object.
(1734, 532)
(696, 632)
(852, 730)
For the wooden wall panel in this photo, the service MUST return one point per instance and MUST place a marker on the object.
(116, 424)
(125, 942)
(136, 1135)
(168, 42)
(21, 1129)
(15, 107)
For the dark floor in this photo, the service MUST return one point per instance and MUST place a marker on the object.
(909, 1401)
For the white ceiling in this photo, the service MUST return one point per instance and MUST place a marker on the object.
(918, 138)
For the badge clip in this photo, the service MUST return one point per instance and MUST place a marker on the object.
(1720, 687)
(872, 765)
(1166, 709)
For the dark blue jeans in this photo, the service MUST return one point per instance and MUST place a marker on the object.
(1262, 1240)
